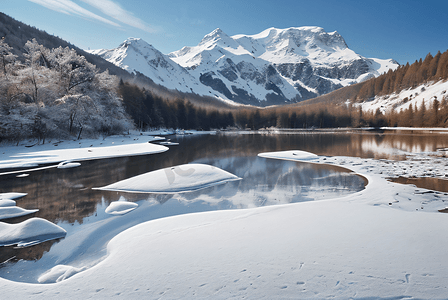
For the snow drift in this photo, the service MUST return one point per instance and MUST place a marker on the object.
(178, 179)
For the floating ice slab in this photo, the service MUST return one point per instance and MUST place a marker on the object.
(7, 203)
(68, 165)
(8, 212)
(30, 232)
(294, 155)
(178, 179)
(120, 207)
(12, 196)
(169, 143)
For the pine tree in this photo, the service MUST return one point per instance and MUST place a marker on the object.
(400, 73)
(442, 67)
(435, 113)
(432, 70)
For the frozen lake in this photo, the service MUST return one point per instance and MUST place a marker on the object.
(65, 196)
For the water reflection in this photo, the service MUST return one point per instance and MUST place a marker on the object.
(435, 184)
(270, 182)
(266, 182)
(13, 254)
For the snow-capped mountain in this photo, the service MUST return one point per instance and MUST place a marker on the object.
(276, 66)
(135, 54)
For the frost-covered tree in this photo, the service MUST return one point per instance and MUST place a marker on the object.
(6, 56)
(56, 93)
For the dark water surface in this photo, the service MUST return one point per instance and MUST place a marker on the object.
(65, 197)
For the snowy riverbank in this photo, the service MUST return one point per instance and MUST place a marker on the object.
(382, 242)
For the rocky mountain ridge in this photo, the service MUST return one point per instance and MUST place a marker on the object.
(276, 66)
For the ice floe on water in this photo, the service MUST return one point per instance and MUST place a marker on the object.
(294, 155)
(30, 232)
(120, 207)
(178, 179)
(8, 212)
(7, 202)
(68, 165)
(12, 195)
(8, 208)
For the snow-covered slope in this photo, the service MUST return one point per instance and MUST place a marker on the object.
(424, 93)
(135, 54)
(276, 66)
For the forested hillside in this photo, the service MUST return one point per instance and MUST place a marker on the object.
(16, 35)
(432, 68)
(56, 93)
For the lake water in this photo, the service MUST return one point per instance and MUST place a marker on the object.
(65, 196)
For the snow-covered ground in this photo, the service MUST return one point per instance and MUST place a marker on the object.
(386, 241)
(427, 92)
(60, 151)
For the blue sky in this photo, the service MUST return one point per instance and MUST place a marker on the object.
(404, 30)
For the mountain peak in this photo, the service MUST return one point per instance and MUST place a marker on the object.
(308, 36)
(135, 42)
(215, 36)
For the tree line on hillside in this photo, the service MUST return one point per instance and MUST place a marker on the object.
(56, 93)
(148, 110)
(16, 35)
(432, 68)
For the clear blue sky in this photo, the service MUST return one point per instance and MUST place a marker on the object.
(404, 30)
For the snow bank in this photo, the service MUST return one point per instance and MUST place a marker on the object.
(59, 273)
(20, 157)
(29, 232)
(56, 156)
(9, 211)
(120, 207)
(178, 179)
